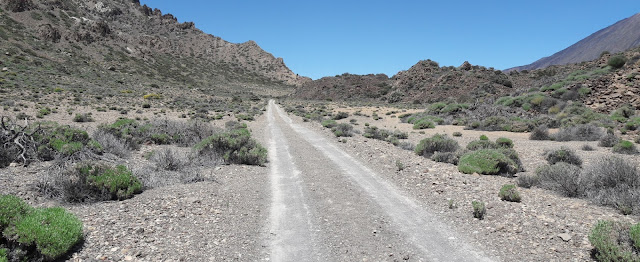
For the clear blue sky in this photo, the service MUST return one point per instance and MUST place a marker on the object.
(329, 37)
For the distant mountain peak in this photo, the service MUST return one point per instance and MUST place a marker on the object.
(621, 36)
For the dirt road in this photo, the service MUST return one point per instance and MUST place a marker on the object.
(327, 206)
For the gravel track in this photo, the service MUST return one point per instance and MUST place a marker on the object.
(336, 179)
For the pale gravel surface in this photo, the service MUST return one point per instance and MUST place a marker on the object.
(226, 219)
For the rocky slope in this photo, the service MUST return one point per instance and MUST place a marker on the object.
(618, 37)
(426, 81)
(123, 41)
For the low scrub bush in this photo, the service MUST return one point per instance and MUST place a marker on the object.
(329, 123)
(446, 157)
(484, 138)
(584, 132)
(613, 241)
(119, 182)
(608, 140)
(234, 146)
(81, 118)
(617, 61)
(111, 144)
(625, 147)
(540, 133)
(612, 181)
(343, 130)
(340, 115)
(562, 178)
(423, 124)
(528, 180)
(479, 210)
(65, 141)
(130, 131)
(587, 147)
(36, 234)
(504, 142)
(89, 182)
(509, 193)
(436, 143)
(457, 134)
(481, 144)
(169, 159)
(487, 162)
(564, 154)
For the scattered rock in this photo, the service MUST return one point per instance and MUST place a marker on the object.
(565, 237)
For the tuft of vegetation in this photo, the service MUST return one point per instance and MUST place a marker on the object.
(540, 133)
(479, 210)
(423, 124)
(562, 178)
(481, 144)
(564, 154)
(509, 193)
(528, 180)
(119, 182)
(329, 123)
(609, 140)
(584, 132)
(484, 138)
(612, 181)
(587, 147)
(340, 115)
(81, 118)
(436, 143)
(504, 142)
(64, 141)
(625, 147)
(617, 61)
(487, 162)
(37, 233)
(457, 134)
(447, 157)
(614, 241)
(234, 146)
(343, 130)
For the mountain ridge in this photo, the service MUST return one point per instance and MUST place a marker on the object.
(618, 37)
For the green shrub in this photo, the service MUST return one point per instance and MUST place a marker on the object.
(128, 130)
(481, 144)
(52, 231)
(457, 134)
(340, 115)
(376, 133)
(343, 130)
(119, 182)
(625, 147)
(12, 209)
(484, 138)
(611, 242)
(329, 123)
(617, 61)
(564, 154)
(562, 178)
(81, 118)
(634, 232)
(62, 140)
(479, 210)
(487, 162)
(633, 123)
(235, 146)
(423, 124)
(436, 143)
(509, 193)
(504, 142)
(3, 255)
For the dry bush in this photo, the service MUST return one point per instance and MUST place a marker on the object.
(586, 132)
(112, 144)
